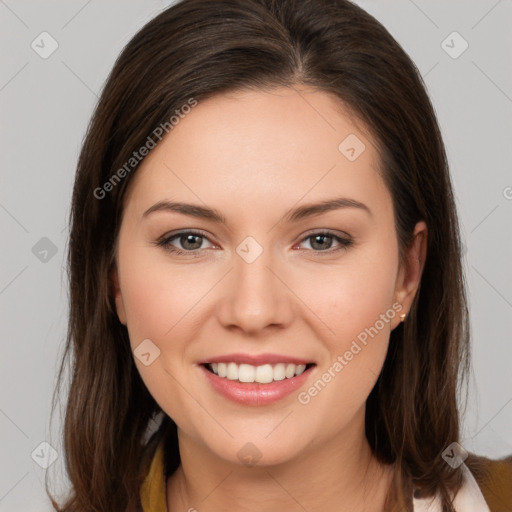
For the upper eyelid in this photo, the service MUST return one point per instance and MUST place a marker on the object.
(185, 232)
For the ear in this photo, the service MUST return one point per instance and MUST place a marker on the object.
(121, 313)
(409, 274)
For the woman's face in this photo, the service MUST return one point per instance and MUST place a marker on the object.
(262, 289)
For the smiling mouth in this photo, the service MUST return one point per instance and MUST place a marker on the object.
(262, 374)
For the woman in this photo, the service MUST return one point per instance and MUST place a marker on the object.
(264, 260)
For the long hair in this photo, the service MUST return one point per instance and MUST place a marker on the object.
(194, 50)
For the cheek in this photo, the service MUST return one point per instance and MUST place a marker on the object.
(356, 305)
(147, 306)
(351, 297)
(162, 304)
(156, 297)
(157, 304)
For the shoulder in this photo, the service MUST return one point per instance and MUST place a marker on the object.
(494, 477)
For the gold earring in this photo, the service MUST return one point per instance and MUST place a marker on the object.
(402, 317)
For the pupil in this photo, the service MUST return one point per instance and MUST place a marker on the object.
(320, 237)
(190, 238)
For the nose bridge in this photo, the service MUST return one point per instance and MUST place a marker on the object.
(256, 297)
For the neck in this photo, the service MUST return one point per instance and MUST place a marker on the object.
(338, 475)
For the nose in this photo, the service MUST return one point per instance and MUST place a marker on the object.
(255, 297)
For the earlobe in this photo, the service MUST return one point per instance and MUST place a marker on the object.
(409, 275)
(121, 313)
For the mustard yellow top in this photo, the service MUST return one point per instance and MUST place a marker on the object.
(494, 485)
(153, 490)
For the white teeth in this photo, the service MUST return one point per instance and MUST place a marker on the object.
(279, 371)
(232, 371)
(262, 374)
(289, 371)
(222, 369)
(300, 369)
(246, 373)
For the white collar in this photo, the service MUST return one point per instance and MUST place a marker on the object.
(468, 499)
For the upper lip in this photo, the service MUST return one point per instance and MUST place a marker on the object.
(256, 360)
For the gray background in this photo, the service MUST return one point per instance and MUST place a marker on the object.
(46, 105)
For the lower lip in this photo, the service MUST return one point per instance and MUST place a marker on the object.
(254, 393)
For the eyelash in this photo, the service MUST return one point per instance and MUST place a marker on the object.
(165, 242)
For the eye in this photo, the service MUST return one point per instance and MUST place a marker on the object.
(322, 240)
(190, 241)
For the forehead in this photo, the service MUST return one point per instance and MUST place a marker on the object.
(258, 148)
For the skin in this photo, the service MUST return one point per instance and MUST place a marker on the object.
(253, 156)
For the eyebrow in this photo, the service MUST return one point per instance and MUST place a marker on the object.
(302, 212)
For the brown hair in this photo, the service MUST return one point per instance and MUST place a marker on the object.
(197, 49)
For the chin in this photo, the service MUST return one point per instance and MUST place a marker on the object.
(251, 452)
